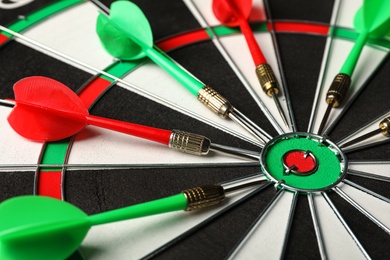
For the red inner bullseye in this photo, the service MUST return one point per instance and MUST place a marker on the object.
(297, 159)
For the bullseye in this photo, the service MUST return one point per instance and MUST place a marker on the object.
(307, 162)
(299, 162)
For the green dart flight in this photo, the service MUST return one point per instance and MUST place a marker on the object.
(37, 227)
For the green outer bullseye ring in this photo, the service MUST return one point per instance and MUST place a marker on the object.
(332, 164)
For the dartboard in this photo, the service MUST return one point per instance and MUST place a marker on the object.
(290, 214)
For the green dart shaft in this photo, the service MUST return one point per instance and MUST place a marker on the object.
(190, 199)
(172, 203)
(353, 57)
(184, 78)
(187, 80)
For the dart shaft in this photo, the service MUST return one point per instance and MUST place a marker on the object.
(191, 199)
(353, 57)
(172, 203)
(188, 81)
(176, 140)
(254, 48)
(146, 132)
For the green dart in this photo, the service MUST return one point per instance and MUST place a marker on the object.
(126, 34)
(371, 20)
(37, 227)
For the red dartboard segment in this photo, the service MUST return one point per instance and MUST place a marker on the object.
(49, 184)
(93, 90)
(183, 39)
(3, 38)
(300, 27)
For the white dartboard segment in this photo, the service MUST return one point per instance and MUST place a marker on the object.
(334, 233)
(77, 37)
(370, 169)
(267, 237)
(377, 208)
(16, 150)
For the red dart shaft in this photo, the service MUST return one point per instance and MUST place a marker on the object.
(254, 48)
(154, 134)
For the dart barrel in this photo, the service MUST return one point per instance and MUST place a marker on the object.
(384, 125)
(267, 79)
(189, 143)
(215, 101)
(338, 90)
(204, 196)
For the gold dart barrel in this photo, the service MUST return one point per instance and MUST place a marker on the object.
(214, 101)
(267, 79)
(204, 196)
(338, 90)
(189, 143)
(384, 125)
(270, 86)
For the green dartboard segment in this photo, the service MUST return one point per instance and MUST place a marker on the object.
(331, 164)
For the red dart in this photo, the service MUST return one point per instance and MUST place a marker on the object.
(234, 13)
(47, 110)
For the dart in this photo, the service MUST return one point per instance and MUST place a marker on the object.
(384, 128)
(233, 13)
(126, 34)
(37, 227)
(371, 20)
(47, 110)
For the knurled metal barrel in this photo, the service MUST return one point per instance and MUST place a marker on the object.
(385, 126)
(338, 90)
(204, 196)
(189, 143)
(267, 79)
(214, 101)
